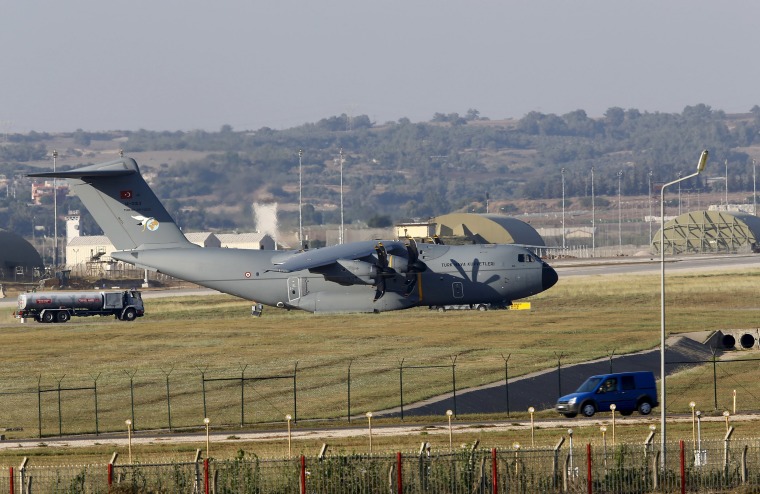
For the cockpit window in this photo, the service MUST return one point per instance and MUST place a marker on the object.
(525, 258)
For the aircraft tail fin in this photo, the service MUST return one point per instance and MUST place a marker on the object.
(123, 205)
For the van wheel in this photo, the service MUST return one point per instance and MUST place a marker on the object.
(645, 408)
(129, 315)
(63, 316)
(570, 415)
(48, 317)
(588, 409)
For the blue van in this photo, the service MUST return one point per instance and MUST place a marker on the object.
(629, 391)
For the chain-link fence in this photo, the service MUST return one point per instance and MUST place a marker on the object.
(180, 397)
(710, 466)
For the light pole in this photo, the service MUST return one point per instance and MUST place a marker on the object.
(570, 433)
(564, 246)
(341, 195)
(726, 414)
(593, 216)
(663, 394)
(288, 418)
(726, 184)
(679, 192)
(129, 438)
(532, 410)
(55, 213)
(207, 422)
(300, 199)
(649, 200)
(449, 413)
(369, 424)
(620, 213)
(693, 425)
(754, 190)
(613, 407)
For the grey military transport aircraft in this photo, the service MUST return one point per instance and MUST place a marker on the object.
(369, 276)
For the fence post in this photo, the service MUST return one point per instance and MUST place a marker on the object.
(588, 467)
(494, 472)
(10, 478)
(401, 386)
(399, 483)
(22, 473)
(565, 473)
(683, 467)
(655, 467)
(555, 462)
(205, 476)
(303, 474)
(726, 441)
(744, 464)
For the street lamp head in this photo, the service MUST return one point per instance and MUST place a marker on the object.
(516, 446)
(128, 422)
(531, 410)
(692, 405)
(699, 414)
(702, 161)
(726, 414)
(570, 432)
(206, 421)
(369, 415)
(288, 417)
(613, 407)
(449, 413)
(603, 429)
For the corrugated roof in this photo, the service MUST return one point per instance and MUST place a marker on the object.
(492, 228)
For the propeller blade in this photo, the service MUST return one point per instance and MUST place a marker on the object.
(380, 290)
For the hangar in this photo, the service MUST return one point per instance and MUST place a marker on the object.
(18, 258)
(485, 228)
(710, 232)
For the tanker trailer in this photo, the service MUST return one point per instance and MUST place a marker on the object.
(62, 306)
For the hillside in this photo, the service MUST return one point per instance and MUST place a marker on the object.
(402, 170)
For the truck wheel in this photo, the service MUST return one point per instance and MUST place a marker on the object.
(48, 316)
(129, 315)
(63, 316)
(482, 307)
(588, 409)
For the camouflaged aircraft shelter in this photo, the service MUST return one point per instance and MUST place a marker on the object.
(709, 232)
(18, 258)
(485, 228)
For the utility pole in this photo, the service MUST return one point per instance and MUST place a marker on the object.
(564, 245)
(593, 216)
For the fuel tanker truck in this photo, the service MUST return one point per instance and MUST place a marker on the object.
(62, 306)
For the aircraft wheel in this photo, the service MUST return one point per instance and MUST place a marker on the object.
(588, 409)
(129, 315)
(48, 316)
(441, 309)
(63, 316)
(482, 308)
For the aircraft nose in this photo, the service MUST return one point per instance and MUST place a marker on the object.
(549, 277)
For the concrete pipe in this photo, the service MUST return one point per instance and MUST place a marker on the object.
(728, 341)
(747, 341)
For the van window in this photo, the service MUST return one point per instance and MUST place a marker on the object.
(628, 383)
(609, 385)
(590, 385)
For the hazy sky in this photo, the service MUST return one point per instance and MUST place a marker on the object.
(190, 64)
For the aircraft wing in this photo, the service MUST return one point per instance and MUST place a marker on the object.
(317, 258)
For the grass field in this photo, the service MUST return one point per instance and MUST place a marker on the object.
(581, 317)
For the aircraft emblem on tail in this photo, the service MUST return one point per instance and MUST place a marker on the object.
(149, 223)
